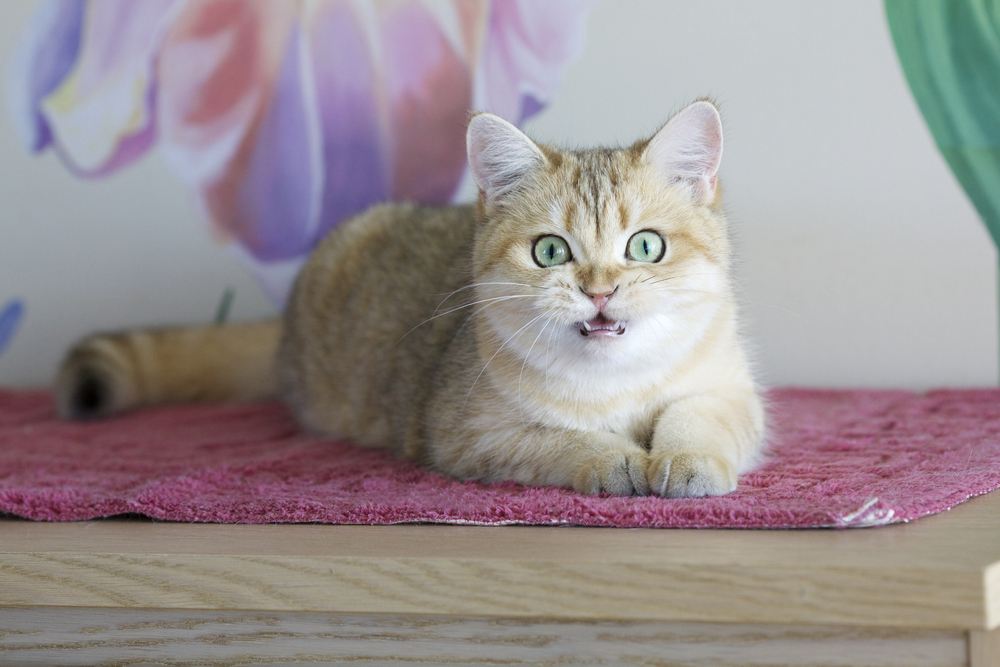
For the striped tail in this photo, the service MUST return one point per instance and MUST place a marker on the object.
(106, 374)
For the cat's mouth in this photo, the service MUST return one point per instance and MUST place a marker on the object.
(602, 326)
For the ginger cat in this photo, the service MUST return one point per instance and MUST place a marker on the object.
(576, 328)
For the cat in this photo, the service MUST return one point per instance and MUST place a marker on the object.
(575, 328)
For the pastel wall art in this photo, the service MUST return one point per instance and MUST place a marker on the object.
(284, 118)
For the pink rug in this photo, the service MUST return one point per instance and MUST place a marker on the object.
(838, 459)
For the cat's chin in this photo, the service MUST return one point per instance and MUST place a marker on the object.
(602, 327)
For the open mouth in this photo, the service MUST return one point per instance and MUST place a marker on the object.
(602, 326)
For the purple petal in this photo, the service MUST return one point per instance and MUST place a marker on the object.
(276, 213)
(10, 318)
(530, 105)
(46, 53)
(356, 160)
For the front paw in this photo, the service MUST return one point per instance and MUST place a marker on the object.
(688, 475)
(619, 470)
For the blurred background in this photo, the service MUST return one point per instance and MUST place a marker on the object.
(158, 155)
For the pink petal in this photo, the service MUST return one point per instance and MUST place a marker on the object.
(428, 91)
(219, 76)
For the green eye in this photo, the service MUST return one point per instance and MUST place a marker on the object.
(551, 251)
(646, 246)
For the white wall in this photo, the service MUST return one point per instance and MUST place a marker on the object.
(861, 261)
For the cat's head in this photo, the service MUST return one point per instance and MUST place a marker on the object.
(608, 255)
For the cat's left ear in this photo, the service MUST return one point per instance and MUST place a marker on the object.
(500, 155)
(688, 150)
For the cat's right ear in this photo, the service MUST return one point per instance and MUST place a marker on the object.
(500, 155)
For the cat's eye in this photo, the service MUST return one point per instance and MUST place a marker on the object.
(551, 251)
(646, 246)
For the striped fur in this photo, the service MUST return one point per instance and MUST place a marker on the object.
(108, 373)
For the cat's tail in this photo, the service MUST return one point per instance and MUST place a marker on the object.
(109, 373)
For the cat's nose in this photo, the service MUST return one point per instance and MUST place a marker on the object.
(600, 299)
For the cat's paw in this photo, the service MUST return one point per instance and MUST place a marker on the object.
(619, 469)
(689, 475)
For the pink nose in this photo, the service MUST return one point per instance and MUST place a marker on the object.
(600, 299)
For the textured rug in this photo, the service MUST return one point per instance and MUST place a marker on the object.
(837, 459)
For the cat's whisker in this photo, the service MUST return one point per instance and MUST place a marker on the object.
(678, 276)
(467, 305)
(663, 330)
(500, 349)
(488, 333)
(548, 350)
(520, 375)
(472, 316)
(483, 284)
(488, 299)
(687, 289)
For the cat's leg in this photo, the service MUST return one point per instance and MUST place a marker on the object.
(701, 443)
(587, 461)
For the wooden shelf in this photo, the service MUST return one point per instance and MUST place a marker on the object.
(941, 572)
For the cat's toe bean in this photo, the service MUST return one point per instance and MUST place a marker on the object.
(619, 472)
(689, 475)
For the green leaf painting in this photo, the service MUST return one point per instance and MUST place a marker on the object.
(950, 53)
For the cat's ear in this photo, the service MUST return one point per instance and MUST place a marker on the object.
(688, 150)
(500, 155)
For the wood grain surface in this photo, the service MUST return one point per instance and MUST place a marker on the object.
(120, 637)
(130, 592)
(939, 572)
(984, 648)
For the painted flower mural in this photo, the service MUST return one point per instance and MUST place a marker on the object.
(285, 117)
